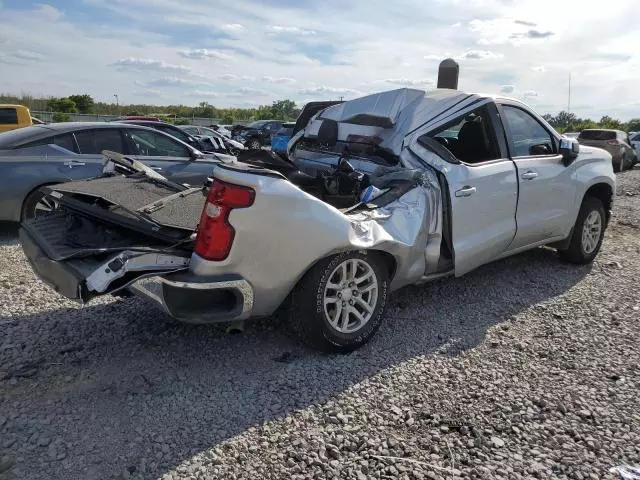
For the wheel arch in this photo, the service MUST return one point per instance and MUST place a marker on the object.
(29, 193)
(603, 192)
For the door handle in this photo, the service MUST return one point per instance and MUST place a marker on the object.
(465, 191)
(529, 175)
(153, 167)
(74, 163)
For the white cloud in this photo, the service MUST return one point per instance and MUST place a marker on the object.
(140, 64)
(530, 94)
(432, 57)
(233, 27)
(203, 53)
(507, 89)
(279, 80)
(289, 30)
(409, 82)
(325, 90)
(148, 93)
(202, 94)
(230, 77)
(19, 56)
(191, 45)
(170, 82)
(243, 91)
(479, 55)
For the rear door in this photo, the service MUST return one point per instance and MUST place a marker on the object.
(547, 188)
(89, 145)
(167, 156)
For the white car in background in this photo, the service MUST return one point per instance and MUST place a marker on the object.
(634, 137)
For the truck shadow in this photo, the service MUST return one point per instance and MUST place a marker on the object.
(134, 382)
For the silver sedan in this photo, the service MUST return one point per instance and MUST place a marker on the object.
(48, 154)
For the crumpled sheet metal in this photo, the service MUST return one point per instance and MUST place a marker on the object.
(414, 221)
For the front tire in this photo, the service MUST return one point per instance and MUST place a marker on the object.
(588, 233)
(339, 304)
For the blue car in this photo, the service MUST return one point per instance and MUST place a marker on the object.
(281, 138)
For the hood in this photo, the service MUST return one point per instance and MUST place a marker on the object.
(389, 116)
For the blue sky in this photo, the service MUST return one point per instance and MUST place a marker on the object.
(251, 52)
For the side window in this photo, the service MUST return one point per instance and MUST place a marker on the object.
(8, 116)
(155, 144)
(179, 134)
(471, 139)
(94, 141)
(528, 136)
(65, 141)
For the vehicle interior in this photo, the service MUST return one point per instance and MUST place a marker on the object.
(470, 139)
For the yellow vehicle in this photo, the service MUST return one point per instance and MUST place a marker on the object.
(14, 116)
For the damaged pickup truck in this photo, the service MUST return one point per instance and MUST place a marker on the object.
(384, 191)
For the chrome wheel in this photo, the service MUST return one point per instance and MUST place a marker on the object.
(45, 205)
(350, 296)
(591, 231)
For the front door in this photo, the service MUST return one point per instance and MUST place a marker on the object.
(547, 187)
(483, 209)
(169, 157)
(483, 188)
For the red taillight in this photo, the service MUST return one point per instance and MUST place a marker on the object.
(215, 233)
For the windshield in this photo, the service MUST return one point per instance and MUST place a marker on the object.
(258, 124)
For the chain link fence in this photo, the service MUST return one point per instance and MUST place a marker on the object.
(48, 116)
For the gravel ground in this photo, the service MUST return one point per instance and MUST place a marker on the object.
(525, 368)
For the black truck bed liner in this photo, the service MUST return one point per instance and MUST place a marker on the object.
(181, 211)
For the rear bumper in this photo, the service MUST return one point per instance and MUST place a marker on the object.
(193, 299)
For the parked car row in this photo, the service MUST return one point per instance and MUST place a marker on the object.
(47, 154)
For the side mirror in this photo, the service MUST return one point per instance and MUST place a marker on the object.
(541, 149)
(569, 149)
(195, 154)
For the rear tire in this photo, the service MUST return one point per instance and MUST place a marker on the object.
(339, 304)
(253, 144)
(35, 204)
(588, 233)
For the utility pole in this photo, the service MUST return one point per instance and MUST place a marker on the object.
(569, 96)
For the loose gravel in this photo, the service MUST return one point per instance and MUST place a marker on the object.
(526, 368)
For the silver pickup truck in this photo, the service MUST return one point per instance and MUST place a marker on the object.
(384, 191)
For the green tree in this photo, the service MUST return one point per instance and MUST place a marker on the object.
(227, 118)
(60, 117)
(264, 112)
(608, 122)
(633, 125)
(84, 103)
(284, 110)
(62, 105)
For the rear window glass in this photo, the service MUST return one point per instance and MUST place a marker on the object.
(8, 116)
(17, 137)
(597, 135)
(96, 140)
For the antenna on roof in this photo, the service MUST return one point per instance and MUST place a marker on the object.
(448, 73)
